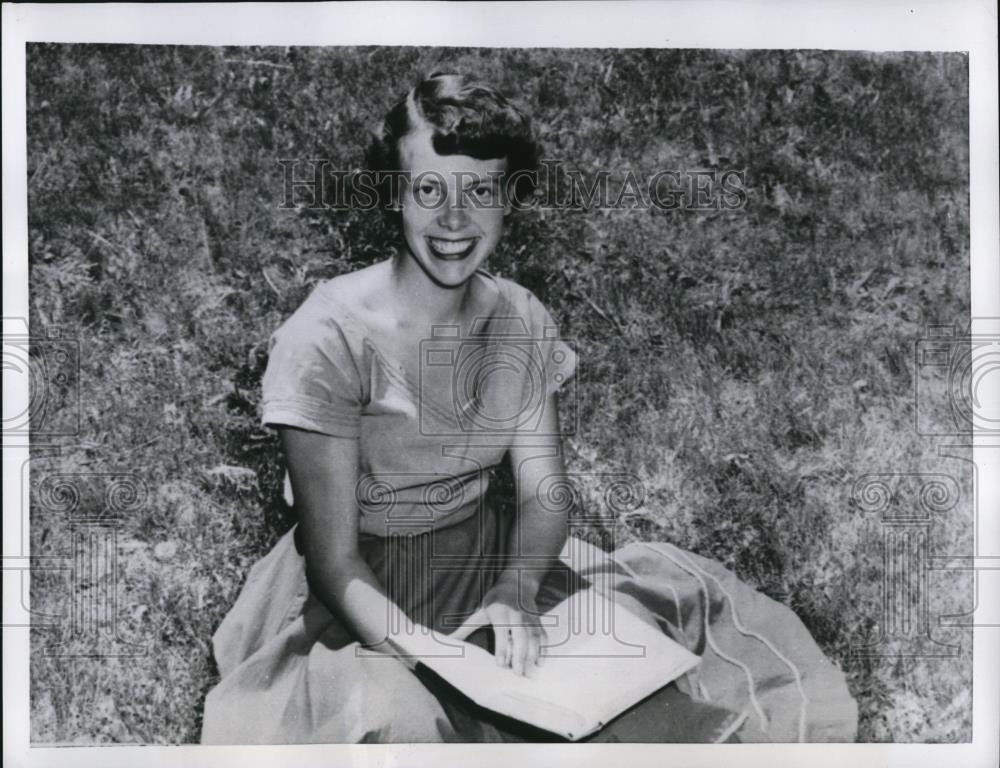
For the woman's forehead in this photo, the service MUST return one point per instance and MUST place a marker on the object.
(417, 154)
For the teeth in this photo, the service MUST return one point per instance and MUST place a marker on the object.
(450, 247)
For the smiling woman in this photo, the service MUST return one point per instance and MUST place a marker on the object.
(395, 390)
(450, 221)
(749, 366)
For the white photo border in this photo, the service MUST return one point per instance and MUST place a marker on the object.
(848, 25)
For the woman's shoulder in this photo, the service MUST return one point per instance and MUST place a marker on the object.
(361, 284)
(517, 295)
(338, 302)
(321, 341)
(522, 300)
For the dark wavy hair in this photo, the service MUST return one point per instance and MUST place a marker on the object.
(467, 118)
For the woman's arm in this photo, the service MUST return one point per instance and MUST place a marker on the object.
(536, 539)
(323, 472)
(539, 532)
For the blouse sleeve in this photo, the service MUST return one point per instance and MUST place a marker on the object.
(558, 357)
(311, 380)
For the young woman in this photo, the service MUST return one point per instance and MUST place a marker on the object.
(395, 389)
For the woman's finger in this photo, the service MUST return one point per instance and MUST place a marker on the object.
(501, 645)
(519, 654)
(534, 649)
(542, 636)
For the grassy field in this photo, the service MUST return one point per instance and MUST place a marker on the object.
(749, 366)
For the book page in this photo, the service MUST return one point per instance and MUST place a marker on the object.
(598, 659)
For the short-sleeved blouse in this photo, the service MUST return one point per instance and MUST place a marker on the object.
(425, 446)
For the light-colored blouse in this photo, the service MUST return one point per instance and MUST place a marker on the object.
(425, 446)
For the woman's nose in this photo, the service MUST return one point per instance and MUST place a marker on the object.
(454, 214)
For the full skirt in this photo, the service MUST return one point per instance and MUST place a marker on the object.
(291, 673)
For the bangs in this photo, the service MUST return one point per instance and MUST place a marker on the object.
(481, 147)
(465, 117)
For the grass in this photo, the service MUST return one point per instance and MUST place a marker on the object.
(748, 366)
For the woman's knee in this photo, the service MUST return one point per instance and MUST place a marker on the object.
(398, 708)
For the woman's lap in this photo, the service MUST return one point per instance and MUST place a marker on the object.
(325, 695)
(291, 673)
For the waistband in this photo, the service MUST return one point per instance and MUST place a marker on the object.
(412, 503)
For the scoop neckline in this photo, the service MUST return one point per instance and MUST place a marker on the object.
(391, 364)
(502, 301)
(502, 297)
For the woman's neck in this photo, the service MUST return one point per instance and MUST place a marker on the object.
(425, 300)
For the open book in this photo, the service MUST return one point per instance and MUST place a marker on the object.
(599, 659)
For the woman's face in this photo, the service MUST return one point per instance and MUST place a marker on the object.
(452, 209)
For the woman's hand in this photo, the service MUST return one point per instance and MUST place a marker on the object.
(514, 616)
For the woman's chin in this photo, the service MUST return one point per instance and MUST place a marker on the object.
(451, 272)
(451, 278)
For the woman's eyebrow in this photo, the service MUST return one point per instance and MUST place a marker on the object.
(476, 180)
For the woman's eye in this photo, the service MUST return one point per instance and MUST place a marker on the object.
(428, 194)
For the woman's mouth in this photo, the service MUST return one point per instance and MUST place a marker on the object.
(452, 250)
